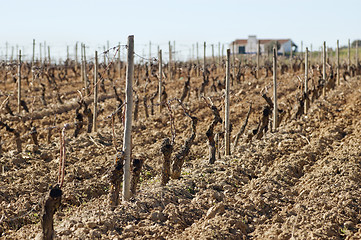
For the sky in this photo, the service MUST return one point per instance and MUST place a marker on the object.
(62, 23)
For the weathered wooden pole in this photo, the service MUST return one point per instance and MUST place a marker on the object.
(356, 53)
(95, 85)
(233, 61)
(170, 61)
(40, 57)
(306, 81)
(6, 53)
(33, 59)
(33, 64)
(19, 82)
(119, 62)
(160, 79)
(204, 58)
(226, 115)
(324, 69)
(258, 55)
(338, 64)
(76, 53)
(275, 106)
(67, 52)
(82, 66)
(219, 54)
(349, 57)
(197, 59)
(44, 51)
(85, 72)
(49, 59)
(173, 52)
(212, 53)
(127, 140)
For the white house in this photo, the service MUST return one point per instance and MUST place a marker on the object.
(249, 46)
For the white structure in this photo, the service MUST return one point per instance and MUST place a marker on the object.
(249, 46)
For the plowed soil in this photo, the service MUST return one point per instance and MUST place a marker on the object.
(301, 181)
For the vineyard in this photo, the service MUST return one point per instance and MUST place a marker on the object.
(62, 157)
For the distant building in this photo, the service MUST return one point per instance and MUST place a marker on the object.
(249, 46)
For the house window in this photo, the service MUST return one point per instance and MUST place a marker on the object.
(241, 50)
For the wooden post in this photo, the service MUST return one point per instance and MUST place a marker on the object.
(173, 49)
(337, 64)
(324, 69)
(258, 55)
(275, 106)
(33, 59)
(226, 117)
(82, 66)
(160, 80)
(127, 141)
(356, 53)
(49, 55)
(170, 61)
(40, 57)
(349, 57)
(44, 51)
(219, 54)
(76, 53)
(19, 82)
(85, 73)
(6, 54)
(301, 47)
(197, 60)
(212, 53)
(204, 58)
(233, 61)
(12, 54)
(67, 53)
(119, 62)
(95, 85)
(104, 56)
(306, 81)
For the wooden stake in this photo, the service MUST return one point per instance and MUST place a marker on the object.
(324, 69)
(19, 82)
(226, 117)
(275, 106)
(356, 53)
(197, 60)
(306, 81)
(49, 59)
(127, 142)
(349, 56)
(258, 55)
(67, 53)
(204, 58)
(170, 61)
(160, 80)
(95, 85)
(84, 72)
(338, 64)
(76, 53)
(41, 57)
(212, 53)
(219, 54)
(33, 59)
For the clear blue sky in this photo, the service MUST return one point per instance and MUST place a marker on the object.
(64, 22)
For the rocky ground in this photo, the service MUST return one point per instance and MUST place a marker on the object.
(299, 182)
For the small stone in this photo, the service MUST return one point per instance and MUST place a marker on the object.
(349, 225)
(213, 211)
(129, 228)
(91, 224)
